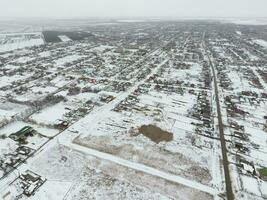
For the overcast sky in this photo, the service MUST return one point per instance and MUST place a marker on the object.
(135, 8)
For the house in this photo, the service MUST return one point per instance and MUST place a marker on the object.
(22, 134)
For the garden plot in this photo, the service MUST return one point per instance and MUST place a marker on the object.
(83, 97)
(257, 137)
(260, 42)
(59, 163)
(252, 148)
(45, 54)
(17, 144)
(101, 186)
(191, 74)
(101, 48)
(29, 96)
(240, 81)
(24, 60)
(52, 115)
(64, 38)
(29, 91)
(43, 89)
(119, 134)
(67, 59)
(8, 110)
(220, 51)
(251, 56)
(8, 80)
(180, 73)
(92, 85)
(10, 67)
(255, 113)
(7, 146)
(59, 81)
(82, 176)
(263, 188)
(23, 187)
(17, 125)
(171, 104)
(49, 190)
(251, 186)
(7, 149)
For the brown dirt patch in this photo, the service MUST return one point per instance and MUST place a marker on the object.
(155, 133)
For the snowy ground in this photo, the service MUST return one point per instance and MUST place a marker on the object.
(261, 42)
(89, 99)
(11, 42)
(80, 171)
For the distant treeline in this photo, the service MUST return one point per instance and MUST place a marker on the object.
(52, 36)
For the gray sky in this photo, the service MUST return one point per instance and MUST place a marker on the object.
(135, 8)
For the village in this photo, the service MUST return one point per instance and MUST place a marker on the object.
(112, 104)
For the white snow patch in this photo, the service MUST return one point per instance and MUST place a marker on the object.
(51, 114)
(64, 38)
(262, 43)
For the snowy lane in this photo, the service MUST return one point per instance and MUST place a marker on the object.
(145, 169)
(228, 182)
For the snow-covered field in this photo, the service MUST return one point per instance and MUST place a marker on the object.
(130, 113)
(64, 38)
(17, 125)
(115, 129)
(259, 21)
(51, 115)
(81, 176)
(263, 43)
(9, 110)
(11, 42)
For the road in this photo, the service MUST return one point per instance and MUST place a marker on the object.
(228, 182)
